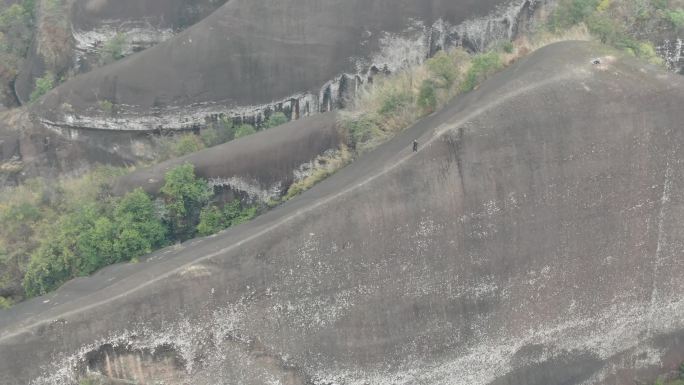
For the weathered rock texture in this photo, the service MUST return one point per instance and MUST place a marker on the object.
(245, 61)
(71, 34)
(260, 167)
(248, 57)
(535, 238)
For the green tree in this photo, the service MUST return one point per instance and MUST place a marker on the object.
(96, 246)
(57, 258)
(185, 195)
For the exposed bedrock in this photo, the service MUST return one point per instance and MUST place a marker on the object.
(302, 56)
(85, 26)
(535, 238)
(259, 167)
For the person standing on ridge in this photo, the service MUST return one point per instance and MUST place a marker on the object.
(415, 146)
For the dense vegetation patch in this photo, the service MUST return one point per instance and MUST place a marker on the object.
(55, 233)
(625, 24)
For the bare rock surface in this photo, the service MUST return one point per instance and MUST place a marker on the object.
(535, 238)
(248, 56)
(259, 166)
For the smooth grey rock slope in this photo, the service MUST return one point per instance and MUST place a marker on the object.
(259, 166)
(249, 56)
(246, 60)
(535, 238)
(90, 24)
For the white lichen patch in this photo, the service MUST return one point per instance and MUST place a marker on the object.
(196, 271)
(252, 188)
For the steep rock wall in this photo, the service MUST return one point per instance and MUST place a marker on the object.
(535, 238)
(85, 26)
(293, 55)
(260, 167)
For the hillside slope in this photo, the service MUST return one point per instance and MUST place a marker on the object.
(533, 239)
(272, 54)
(71, 35)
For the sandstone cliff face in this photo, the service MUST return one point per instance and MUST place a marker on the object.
(535, 238)
(317, 55)
(297, 55)
(71, 35)
(260, 167)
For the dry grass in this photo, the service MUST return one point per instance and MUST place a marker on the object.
(527, 44)
(324, 166)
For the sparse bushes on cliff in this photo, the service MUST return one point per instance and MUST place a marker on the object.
(323, 167)
(275, 120)
(244, 130)
(427, 97)
(390, 104)
(620, 23)
(113, 49)
(443, 69)
(43, 86)
(482, 66)
(81, 228)
(214, 219)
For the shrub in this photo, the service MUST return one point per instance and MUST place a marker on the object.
(57, 259)
(481, 67)
(187, 144)
(442, 67)
(179, 145)
(605, 28)
(363, 129)
(571, 12)
(393, 101)
(5, 303)
(244, 130)
(427, 97)
(218, 132)
(106, 106)
(276, 119)
(43, 86)
(113, 49)
(676, 17)
(185, 195)
(213, 219)
(235, 213)
(94, 236)
(139, 227)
